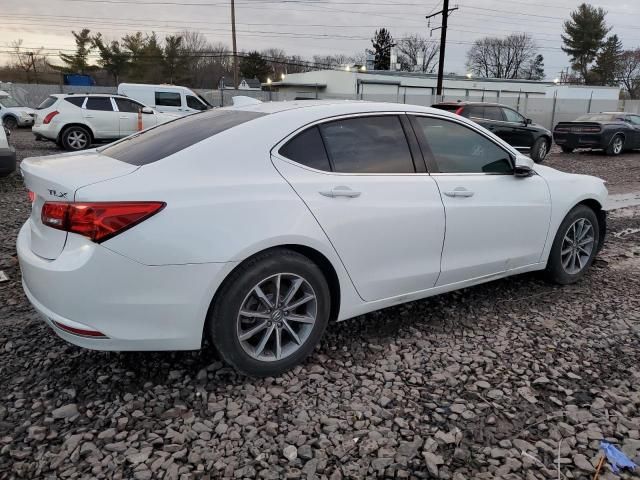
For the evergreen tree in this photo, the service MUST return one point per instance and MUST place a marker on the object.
(254, 66)
(382, 43)
(584, 35)
(112, 57)
(607, 65)
(536, 68)
(175, 61)
(79, 61)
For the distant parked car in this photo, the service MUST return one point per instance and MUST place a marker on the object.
(75, 122)
(612, 132)
(333, 209)
(13, 113)
(165, 98)
(7, 153)
(518, 131)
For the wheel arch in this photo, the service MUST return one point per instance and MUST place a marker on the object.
(601, 215)
(314, 255)
(75, 124)
(9, 115)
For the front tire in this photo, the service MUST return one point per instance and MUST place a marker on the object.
(616, 146)
(270, 313)
(540, 150)
(75, 138)
(574, 247)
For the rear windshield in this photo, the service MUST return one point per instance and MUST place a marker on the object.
(166, 139)
(47, 103)
(599, 117)
(449, 107)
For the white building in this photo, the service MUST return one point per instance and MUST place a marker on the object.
(420, 88)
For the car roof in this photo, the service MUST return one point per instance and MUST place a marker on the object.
(65, 95)
(466, 102)
(329, 107)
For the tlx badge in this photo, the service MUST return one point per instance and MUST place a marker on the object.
(57, 194)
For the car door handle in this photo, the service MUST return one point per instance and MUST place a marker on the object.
(340, 192)
(459, 192)
(124, 117)
(88, 116)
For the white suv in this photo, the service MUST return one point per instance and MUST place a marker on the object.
(13, 114)
(75, 122)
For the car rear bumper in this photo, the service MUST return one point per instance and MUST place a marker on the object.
(45, 131)
(7, 160)
(573, 140)
(89, 288)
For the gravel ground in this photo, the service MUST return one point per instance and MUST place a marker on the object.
(515, 379)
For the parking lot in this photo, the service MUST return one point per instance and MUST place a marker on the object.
(512, 379)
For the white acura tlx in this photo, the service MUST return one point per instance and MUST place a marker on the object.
(255, 226)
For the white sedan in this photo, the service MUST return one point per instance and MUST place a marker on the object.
(256, 226)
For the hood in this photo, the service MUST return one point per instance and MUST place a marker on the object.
(21, 110)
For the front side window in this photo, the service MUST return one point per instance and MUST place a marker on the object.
(475, 111)
(193, 102)
(9, 102)
(126, 105)
(458, 149)
(367, 145)
(307, 148)
(168, 99)
(633, 119)
(99, 103)
(512, 116)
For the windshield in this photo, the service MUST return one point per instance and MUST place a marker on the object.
(9, 102)
(598, 117)
(204, 101)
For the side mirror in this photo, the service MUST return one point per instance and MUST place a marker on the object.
(147, 110)
(523, 167)
(528, 121)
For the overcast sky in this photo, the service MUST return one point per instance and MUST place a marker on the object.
(307, 27)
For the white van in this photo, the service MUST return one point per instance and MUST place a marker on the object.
(165, 98)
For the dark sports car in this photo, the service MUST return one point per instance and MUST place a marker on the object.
(612, 132)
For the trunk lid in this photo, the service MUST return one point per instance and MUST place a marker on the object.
(57, 178)
(578, 127)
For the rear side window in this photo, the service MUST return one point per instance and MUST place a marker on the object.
(367, 145)
(458, 149)
(77, 101)
(475, 111)
(493, 113)
(307, 149)
(99, 103)
(126, 105)
(171, 137)
(168, 99)
(47, 103)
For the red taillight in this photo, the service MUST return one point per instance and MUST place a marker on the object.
(98, 221)
(32, 196)
(459, 111)
(49, 117)
(79, 331)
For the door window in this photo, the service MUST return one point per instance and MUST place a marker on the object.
(168, 99)
(99, 103)
(307, 148)
(475, 111)
(367, 145)
(77, 101)
(193, 102)
(512, 116)
(126, 105)
(493, 113)
(458, 149)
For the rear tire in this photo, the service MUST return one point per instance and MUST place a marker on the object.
(540, 150)
(258, 335)
(75, 138)
(10, 122)
(575, 246)
(616, 146)
(567, 149)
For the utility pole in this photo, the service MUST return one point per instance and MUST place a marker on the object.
(443, 40)
(235, 49)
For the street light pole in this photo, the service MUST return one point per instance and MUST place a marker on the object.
(235, 49)
(443, 41)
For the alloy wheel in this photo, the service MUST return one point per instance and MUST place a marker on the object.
(77, 139)
(542, 151)
(276, 317)
(617, 145)
(577, 246)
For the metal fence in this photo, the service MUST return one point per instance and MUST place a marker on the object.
(542, 110)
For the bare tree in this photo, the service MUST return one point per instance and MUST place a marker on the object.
(418, 53)
(28, 62)
(508, 57)
(630, 72)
